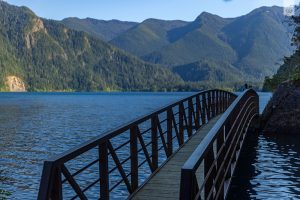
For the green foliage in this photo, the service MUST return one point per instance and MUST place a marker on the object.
(50, 57)
(208, 70)
(290, 69)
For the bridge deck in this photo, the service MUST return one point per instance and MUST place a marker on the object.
(165, 183)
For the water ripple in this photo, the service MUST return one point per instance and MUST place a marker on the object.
(35, 126)
(275, 172)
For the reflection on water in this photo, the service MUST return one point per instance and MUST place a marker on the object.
(35, 126)
(269, 168)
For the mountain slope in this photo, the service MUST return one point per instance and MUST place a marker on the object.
(101, 29)
(254, 43)
(150, 35)
(261, 39)
(208, 70)
(198, 40)
(48, 56)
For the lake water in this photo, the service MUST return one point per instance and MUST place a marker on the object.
(34, 126)
(268, 168)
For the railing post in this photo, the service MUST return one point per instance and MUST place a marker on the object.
(214, 103)
(46, 184)
(188, 185)
(224, 102)
(103, 167)
(181, 127)
(227, 143)
(209, 106)
(191, 112)
(169, 133)
(204, 109)
(220, 143)
(221, 101)
(208, 163)
(198, 111)
(227, 100)
(134, 158)
(56, 192)
(154, 142)
(217, 102)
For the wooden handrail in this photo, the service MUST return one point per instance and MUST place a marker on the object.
(219, 151)
(142, 143)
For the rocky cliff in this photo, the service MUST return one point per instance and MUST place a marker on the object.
(15, 84)
(282, 114)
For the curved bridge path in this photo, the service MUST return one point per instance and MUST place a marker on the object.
(190, 148)
(165, 182)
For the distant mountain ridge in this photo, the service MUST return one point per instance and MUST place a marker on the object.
(254, 44)
(101, 29)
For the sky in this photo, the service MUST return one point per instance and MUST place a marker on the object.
(139, 10)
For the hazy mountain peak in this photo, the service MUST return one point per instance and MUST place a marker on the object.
(101, 29)
(206, 15)
(275, 11)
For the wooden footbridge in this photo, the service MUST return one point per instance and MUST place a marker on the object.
(186, 150)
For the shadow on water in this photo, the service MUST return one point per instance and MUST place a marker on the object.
(269, 168)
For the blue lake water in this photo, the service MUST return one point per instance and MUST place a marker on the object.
(268, 168)
(34, 126)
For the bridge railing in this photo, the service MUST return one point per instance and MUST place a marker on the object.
(117, 162)
(208, 172)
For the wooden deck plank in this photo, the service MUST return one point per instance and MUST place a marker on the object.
(165, 183)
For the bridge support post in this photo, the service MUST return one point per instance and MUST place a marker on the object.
(181, 123)
(209, 171)
(154, 142)
(217, 102)
(169, 133)
(188, 185)
(103, 168)
(198, 111)
(190, 117)
(209, 106)
(134, 159)
(205, 111)
(214, 103)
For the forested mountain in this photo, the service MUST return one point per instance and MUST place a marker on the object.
(72, 54)
(209, 70)
(195, 41)
(253, 44)
(47, 56)
(101, 29)
(146, 37)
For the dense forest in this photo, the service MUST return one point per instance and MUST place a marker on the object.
(290, 70)
(47, 56)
